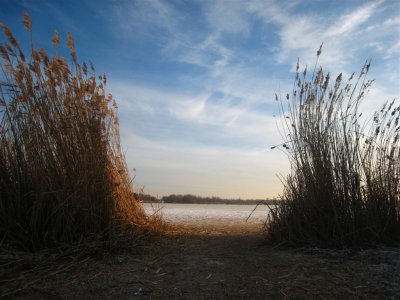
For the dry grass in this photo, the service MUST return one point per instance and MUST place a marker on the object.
(63, 176)
(344, 186)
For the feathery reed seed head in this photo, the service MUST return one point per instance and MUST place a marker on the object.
(27, 21)
(60, 155)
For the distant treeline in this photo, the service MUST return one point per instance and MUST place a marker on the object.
(191, 199)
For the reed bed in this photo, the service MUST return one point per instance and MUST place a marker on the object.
(63, 177)
(343, 190)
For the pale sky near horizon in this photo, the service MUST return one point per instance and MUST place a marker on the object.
(195, 80)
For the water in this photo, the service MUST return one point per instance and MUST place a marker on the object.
(209, 214)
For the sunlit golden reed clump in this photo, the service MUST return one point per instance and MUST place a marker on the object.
(345, 181)
(62, 174)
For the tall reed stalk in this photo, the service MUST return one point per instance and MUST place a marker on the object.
(344, 185)
(62, 174)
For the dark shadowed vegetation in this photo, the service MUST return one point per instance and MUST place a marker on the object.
(343, 189)
(62, 174)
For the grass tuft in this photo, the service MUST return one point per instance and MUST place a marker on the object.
(63, 176)
(343, 190)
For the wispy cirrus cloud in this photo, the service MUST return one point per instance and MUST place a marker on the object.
(235, 20)
(234, 56)
(195, 80)
(348, 35)
(153, 18)
(349, 22)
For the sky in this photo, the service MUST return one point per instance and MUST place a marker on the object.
(195, 80)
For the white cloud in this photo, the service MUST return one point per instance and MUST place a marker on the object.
(133, 97)
(242, 123)
(208, 53)
(139, 17)
(228, 16)
(346, 24)
(376, 97)
(301, 33)
(188, 140)
(392, 50)
(188, 109)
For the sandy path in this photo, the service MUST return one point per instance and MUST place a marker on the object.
(216, 262)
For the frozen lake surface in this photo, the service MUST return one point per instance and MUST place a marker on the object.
(209, 214)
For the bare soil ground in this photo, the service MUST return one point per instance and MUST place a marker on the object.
(216, 262)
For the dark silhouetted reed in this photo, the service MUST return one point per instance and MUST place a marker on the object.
(343, 189)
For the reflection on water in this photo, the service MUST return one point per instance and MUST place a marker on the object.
(189, 214)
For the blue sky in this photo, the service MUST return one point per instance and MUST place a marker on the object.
(195, 80)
